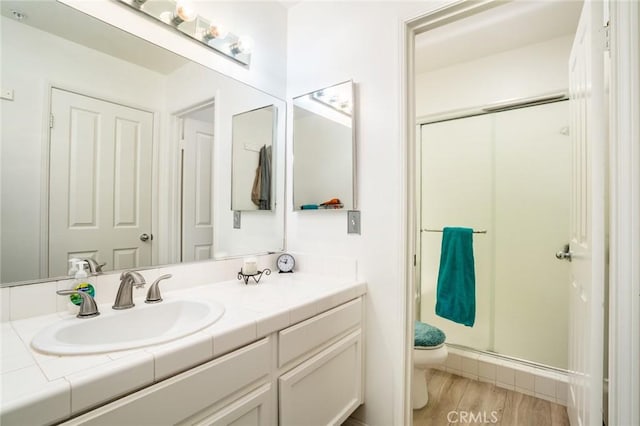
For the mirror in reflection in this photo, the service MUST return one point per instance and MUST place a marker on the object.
(253, 134)
(323, 149)
(117, 150)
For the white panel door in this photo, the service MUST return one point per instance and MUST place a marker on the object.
(587, 222)
(100, 182)
(197, 187)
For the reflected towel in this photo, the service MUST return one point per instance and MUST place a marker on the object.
(456, 297)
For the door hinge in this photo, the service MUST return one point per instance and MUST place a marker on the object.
(607, 38)
(414, 260)
(181, 145)
(51, 121)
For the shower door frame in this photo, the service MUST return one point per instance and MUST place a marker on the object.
(493, 108)
(624, 187)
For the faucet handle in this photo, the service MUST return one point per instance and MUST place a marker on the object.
(153, 295)
(88, 308)
(94, 267)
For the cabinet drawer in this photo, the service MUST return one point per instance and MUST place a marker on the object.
(174, 399)
(254, 409)
(315, 332)
(325, 389)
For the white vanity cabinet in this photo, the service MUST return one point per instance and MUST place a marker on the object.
(324, 385)
(195, 395)
(307, 374)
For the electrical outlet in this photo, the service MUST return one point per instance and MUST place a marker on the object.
(353, 222)
(236, 219)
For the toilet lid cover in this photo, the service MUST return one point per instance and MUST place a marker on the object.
(428, 335)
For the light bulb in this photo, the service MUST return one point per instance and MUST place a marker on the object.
(243, 45)
(216, 31)
(183, 13)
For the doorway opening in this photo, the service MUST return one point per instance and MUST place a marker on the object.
(195, 174)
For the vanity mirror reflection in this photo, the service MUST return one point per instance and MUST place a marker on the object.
(252, 140)
(324, 149)
(116, 149)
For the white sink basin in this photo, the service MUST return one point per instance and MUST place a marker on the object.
(142, 325)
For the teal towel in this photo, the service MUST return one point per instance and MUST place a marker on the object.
(427, 335)
(309, 207)
(456, 298)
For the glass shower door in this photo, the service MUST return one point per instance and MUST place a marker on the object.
(508, 173)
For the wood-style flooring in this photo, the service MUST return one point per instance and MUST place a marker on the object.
(454, 400)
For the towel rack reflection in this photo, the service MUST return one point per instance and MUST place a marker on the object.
(480, 231)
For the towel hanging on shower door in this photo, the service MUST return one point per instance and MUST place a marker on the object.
(456, 294)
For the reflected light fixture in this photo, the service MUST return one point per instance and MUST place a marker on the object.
(243, 45)
(17, 15)
(336, 101)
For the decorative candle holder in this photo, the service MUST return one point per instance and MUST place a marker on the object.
(256, 277)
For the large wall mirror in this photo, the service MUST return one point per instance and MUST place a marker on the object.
(116, 149)
(324, 149)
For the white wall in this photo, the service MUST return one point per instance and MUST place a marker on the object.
(264, 21)
(29, 68)
(330, 42)
(532, 70)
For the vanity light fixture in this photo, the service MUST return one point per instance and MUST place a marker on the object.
(243, 45)
(212, 34)
(17, 15)
(215, 31)
(183, 13)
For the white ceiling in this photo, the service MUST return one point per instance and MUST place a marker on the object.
(509, 26)
(63, 21)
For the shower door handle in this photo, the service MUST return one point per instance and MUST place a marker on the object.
(565, 254)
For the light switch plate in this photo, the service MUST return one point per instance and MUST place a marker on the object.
(353, 222)
(236, 219)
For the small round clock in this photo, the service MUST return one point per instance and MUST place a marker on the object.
(285, 263)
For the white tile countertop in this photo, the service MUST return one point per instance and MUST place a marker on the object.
(41, 389)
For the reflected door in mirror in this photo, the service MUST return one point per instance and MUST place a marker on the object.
(197, 187)
(99, 209)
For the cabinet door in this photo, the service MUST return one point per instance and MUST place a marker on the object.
(253, 409)
(325, 389)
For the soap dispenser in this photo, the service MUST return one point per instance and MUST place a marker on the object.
(80, 283)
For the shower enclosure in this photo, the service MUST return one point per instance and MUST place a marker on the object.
(507, 173)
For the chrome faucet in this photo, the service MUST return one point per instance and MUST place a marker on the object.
(153, 295)
(88, 307)
(124, 298)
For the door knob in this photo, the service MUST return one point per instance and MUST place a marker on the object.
(564, 254)
(146, 237)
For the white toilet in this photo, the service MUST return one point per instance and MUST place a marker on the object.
(425, 357)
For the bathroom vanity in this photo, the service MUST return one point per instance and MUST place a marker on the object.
(287, 351)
